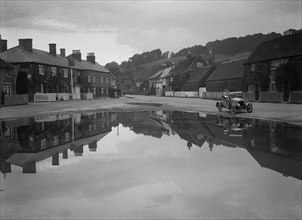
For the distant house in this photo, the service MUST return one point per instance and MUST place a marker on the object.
(162, 82)
(7, 80)
(260, 67)
(228, 75)
(152, 79)
(180, 74)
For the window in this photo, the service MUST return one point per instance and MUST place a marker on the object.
(89, 79)
(199, 64)
(8, 89)
(53, 71)
(41, 69)
(253, 67)
(107, 80)
(102, 79)
(94, 90)
(93, 79)
(273, 86)
(67, 136)
(102, 90)
(55, 140)
(65, 72)
(43, 144)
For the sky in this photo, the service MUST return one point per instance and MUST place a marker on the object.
(116, 30)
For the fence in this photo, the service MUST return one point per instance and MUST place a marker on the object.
(16, 99)
(188, 94)
(63, 96)
(212, 95)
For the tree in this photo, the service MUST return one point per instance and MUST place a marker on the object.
(113, 67)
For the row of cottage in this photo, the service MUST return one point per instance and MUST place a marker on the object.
(47, 76)
(254, 75)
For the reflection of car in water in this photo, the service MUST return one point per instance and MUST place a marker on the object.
(234, 126)
(234, 102)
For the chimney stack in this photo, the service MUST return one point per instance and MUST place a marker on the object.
(27, 44)
(53, 49)
(62, 52)
(189, 54)
(3, 45)
(91, 58)
(76, 54)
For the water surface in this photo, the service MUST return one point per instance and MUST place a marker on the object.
(164, 164)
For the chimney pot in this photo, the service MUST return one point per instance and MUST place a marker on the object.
(62, 52)
(52, 49)
(76, 54)
(3, 45)
(91, 58)
(27, 44)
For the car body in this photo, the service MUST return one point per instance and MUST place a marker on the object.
(234, 102)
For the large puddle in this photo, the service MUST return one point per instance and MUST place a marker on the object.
(164, 164)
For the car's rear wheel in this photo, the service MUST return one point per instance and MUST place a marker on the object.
(233, 110)
(249, 108)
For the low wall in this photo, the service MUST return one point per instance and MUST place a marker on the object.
(86, 95)
(76, 96)
(212, 95)
(169, 93)
(45, 97)
(188, 94)
(16, 99)
(271, 97)
(296, 97)
(248, 96)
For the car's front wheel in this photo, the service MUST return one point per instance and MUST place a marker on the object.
(249, 108)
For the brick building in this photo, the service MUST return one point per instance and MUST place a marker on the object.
(6, 80)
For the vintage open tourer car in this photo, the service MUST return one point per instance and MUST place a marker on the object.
(234, 102)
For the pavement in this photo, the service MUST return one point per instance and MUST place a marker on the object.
(291, 113)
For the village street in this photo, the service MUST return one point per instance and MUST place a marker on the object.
(291, 113)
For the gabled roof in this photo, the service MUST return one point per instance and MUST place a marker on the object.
(200, 74)
(5, 65)
(20, 55)
(91, 66)
(228, 70)
(185, 65)
(282, 47)
(156, 75)
(165, 72)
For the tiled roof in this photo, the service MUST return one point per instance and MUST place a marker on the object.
(282, 47)
(165, 72)
(202, 73)
(19, 55)
(156, 75)
(5, 65)
(91, 66)
(228, 70)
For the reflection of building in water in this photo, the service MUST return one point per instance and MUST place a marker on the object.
(141, 123)
(273, 145)
(39, 138)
